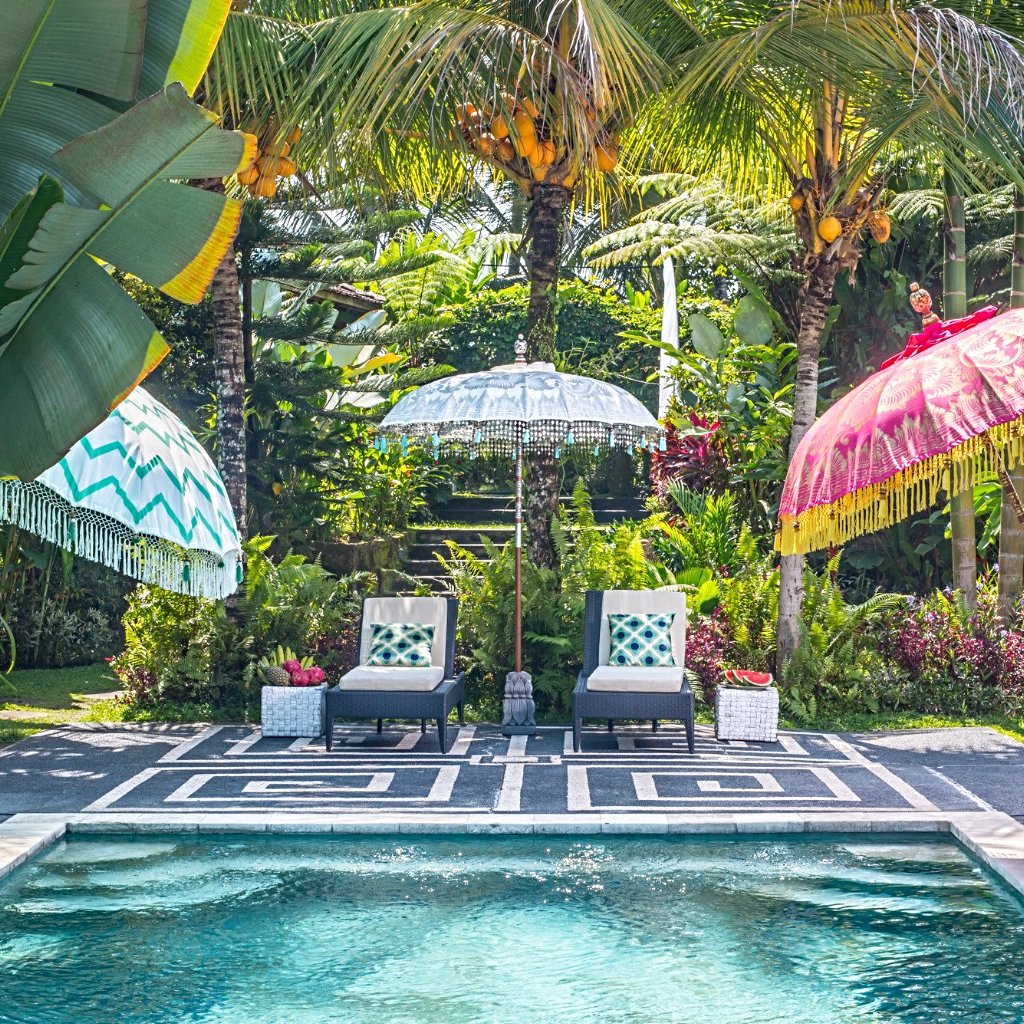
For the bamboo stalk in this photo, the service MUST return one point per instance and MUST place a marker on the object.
(954, 304)
(1011, 518)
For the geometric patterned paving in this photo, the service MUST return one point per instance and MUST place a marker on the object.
(234, 768)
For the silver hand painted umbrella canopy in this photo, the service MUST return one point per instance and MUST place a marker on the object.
(139, 494)
(517, 410)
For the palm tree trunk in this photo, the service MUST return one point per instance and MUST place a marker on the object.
(546, 229)
(229, 357)
(817, 298)
(954, 304)
(1011, 530)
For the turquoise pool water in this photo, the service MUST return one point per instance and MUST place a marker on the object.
(276, 930)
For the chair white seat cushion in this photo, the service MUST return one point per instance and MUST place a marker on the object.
(392, 677)
(632, 679)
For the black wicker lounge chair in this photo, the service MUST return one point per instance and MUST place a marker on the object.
(372, 691)
(610, 691)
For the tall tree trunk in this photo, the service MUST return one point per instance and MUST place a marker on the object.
(814, 307)
(546, 229)
(1011, 531)
(229, 357)
(954, 304)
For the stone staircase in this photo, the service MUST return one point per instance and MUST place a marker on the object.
(467, 519)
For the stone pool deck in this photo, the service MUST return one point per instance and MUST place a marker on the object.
(969, 782)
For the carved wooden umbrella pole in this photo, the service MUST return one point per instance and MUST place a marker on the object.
(515, 410)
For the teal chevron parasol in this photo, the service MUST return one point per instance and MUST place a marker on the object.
(140, 494)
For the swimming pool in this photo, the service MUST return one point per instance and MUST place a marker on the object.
(280, 930)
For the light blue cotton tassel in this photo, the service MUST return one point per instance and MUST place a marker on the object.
(569, 438)
(526, 437)
(476, 437)
(597, 450)
(383, 445)
(611, 438)
(558, 453)
(186, 573)
(661, 444)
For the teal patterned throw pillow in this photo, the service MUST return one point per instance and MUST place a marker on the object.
(641, 641)
(405, 644)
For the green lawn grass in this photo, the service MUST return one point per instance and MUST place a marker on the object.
(51, 696)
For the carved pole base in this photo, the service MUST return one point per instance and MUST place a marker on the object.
(518, 713)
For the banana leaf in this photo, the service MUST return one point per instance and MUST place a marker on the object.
(68, 67)
(72, 342)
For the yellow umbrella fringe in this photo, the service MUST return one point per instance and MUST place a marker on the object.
(904, 494)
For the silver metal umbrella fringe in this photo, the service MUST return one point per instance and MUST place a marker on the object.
(495, 437)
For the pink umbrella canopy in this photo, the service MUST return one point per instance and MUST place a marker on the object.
(931, 422)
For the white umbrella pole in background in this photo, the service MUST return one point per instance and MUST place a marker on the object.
(515, 410)
(669, 336)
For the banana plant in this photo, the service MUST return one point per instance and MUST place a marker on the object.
(92, 182)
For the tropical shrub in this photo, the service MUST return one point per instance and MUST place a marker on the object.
(948, 659)
(185, 649)
(591, 558)
(51, 635)
(834, 667)
(592, 325)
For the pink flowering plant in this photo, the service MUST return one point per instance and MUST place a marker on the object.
(952, 660)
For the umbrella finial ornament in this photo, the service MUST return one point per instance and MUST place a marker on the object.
(921, 303)
(520, 349)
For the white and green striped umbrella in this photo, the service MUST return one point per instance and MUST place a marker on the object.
(140, 494)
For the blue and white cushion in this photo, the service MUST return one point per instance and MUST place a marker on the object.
(401, 644)
(641, 641)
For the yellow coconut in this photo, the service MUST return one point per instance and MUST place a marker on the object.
(264, 187)
(796, 202)
(547, 150)
(506, 151)
(525, 138)
(530, 107)
(293, 136)
(536, 157)
(881, 227)
(830, 228)
(280, 149)
(485, 144)
(248, 176)
(499, 127)
(463, 113)
(607, 157)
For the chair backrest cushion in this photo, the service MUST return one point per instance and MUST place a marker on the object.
(644, 602)
(428, 610)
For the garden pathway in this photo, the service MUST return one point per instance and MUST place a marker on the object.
(233, 768)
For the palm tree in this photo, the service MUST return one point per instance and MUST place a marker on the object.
(807, 97)
(437, 93)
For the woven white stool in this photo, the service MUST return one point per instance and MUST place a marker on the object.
(292, 710)
(742, 713)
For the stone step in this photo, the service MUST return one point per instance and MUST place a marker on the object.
(435, 536)
(497, 508)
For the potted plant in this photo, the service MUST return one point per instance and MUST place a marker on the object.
(292, 701)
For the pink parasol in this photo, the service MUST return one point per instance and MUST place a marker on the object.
(932, 421)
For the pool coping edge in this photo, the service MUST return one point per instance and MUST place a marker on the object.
(994, 838)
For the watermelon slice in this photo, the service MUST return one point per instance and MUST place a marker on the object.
(750, 680)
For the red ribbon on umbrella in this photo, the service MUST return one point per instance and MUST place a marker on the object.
(940, 330)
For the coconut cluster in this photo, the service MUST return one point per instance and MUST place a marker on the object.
(517, 138)
(270, 164)
(845, 221)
